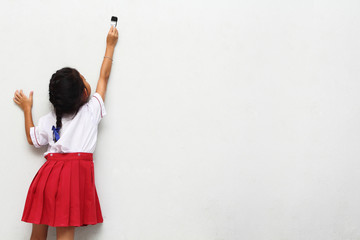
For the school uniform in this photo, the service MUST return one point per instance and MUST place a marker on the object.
(63, 191)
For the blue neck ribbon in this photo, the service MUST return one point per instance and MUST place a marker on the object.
(56, 135)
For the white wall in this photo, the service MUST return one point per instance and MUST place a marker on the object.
(226, 119)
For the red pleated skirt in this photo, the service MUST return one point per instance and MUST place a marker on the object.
(63, 192)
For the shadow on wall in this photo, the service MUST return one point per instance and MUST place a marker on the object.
(88, 232)
(81, 233)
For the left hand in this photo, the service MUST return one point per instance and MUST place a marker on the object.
(24, 102)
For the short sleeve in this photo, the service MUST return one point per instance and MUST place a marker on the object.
(38, 134)
(97, 107)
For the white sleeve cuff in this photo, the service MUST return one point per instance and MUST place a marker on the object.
(34, 138)
(101, 102)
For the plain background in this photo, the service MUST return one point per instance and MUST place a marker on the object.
(226, 119)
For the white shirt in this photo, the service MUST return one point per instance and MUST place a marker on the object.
(77, 134)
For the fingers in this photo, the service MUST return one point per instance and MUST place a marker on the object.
(16, 101)
(16, 97)
(31, 95)
(17, 94)
(113, 30)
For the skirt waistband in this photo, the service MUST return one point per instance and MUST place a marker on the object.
(70, 156)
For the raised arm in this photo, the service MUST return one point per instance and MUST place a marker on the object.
(25, 103)
(111, 41)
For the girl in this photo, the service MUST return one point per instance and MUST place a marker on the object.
(63, 194)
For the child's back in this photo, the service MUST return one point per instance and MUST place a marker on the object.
(77, 134)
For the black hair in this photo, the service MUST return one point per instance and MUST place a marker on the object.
(66, 90)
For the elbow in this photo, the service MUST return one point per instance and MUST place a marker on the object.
(30, 141)
(105, 76)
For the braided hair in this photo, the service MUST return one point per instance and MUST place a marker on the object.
(66, 90)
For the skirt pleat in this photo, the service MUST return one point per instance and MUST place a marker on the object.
(63, 192)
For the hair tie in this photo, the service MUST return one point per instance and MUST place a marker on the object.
(56, 135)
